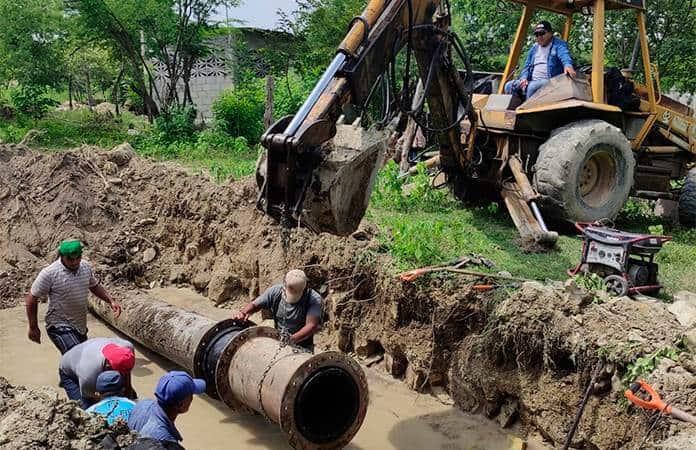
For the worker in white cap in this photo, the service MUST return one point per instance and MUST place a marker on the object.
(296, 309)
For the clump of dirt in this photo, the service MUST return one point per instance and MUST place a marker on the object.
(523, 356)
(40, 419)
(538, 350)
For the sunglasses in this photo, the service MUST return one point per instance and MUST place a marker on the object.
(540, 33)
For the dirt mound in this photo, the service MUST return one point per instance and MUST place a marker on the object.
(39, 419)
(522, 356)
(146, 224)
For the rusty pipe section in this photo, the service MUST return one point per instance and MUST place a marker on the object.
(319, 401)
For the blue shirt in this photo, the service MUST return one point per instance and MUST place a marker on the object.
(149, 419)
(113, 409)
(559, 59)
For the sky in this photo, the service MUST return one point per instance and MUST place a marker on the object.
(258, 13)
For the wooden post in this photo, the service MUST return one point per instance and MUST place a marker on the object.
(598, 53)
(513, 58)
(567, 26)
(411, 128)
(268, 111)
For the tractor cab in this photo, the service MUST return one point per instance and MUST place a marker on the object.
(564, 99)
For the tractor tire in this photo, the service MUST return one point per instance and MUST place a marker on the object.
(584, 172)
(687, 201)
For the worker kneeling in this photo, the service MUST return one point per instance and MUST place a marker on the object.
(154, 419)
(113, 405)
(296, 309)
(81, 365)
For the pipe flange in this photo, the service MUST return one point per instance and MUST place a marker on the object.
(201, 350)
(307, 369)
(223, 366)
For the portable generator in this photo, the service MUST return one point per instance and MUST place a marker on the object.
(625, 261)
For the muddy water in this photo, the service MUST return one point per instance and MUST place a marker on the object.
(397, 418)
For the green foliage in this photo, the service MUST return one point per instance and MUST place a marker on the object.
(32, 101)
(590, 282)
(223, 156)
(176, 123)
(636, 211)
(67, 129)
(239, 111)
(392, 192)
(658, 230)
(414, 244)
(319, 26)
(291, 90)
(32, 42)
(445, 235)
(646, 365)
(676, 260)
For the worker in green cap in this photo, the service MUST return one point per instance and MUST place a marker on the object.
(67, 283)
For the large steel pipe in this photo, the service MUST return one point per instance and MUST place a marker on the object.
(319, 401)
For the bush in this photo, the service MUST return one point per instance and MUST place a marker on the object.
(220, 154)
(32, 101)
(291, 92)
(390, 192)
(239, 111)
(176, 124)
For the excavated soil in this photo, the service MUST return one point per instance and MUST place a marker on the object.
(33, 419)
(523, 356)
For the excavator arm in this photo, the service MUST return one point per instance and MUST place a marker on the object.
(311, 176)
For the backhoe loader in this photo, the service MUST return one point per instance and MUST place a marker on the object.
(574, 151)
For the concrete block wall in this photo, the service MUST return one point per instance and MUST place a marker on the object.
(209, 78)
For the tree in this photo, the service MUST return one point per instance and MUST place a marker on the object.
(176, 34)
(115, 24)
(32, 41)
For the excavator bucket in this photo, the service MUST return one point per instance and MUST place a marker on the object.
(339, 191)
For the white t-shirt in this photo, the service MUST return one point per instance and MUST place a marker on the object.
(67, 293)
(541, 63)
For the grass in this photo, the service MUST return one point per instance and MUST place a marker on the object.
(422, 239)
(220, 155)
(427, 227)
(69, 129)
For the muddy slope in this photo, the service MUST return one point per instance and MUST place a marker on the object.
(522, 356)
(39, 419)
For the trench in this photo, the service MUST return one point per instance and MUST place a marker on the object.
(521, 358)
(397, 418)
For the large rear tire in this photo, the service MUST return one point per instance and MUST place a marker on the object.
(687, 201)
(584, 171)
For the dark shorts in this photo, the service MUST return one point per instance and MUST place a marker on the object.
(65, 337)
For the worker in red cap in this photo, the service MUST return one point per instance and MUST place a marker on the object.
(67, 283)
(81, 365)
(154, 419)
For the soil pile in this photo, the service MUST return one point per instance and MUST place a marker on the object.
(521, 356)
(39, 419)
(145, 224)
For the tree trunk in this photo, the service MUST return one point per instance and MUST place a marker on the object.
(115, 95)
(90, 100)
(268, 112)
(70, 93)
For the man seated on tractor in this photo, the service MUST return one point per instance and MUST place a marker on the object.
(548, 58)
